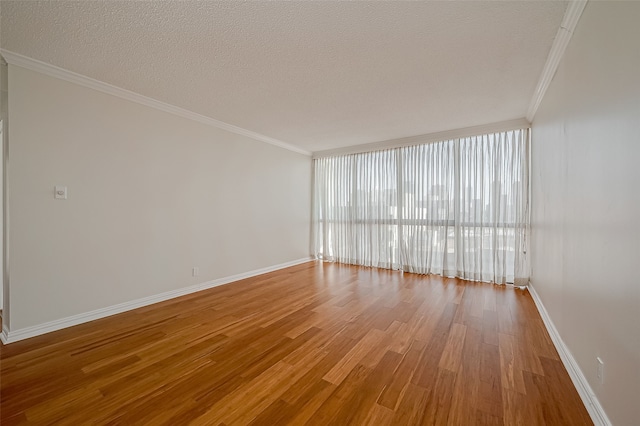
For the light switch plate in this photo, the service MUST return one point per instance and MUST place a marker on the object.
(60, 192)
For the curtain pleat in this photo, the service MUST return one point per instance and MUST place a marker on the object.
(454, 208)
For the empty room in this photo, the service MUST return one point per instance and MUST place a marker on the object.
(320, 212)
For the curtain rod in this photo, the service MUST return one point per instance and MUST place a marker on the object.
(503, 126)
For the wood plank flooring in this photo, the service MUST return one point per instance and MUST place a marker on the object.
(323, 344)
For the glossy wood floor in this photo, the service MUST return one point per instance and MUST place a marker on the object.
(317, 343)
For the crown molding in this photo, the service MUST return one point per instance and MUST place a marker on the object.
(82, 80)
(567, 27)
(503, 126)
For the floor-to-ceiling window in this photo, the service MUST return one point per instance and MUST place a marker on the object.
(456, 208)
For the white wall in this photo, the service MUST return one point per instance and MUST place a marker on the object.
(4, 85)
(150, 196)
(586, 203)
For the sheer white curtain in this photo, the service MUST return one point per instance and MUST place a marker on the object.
(454, 208)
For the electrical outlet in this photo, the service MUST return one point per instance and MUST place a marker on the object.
(600, 371)
(195, 271)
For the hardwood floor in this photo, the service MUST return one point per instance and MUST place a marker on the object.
(312, 344)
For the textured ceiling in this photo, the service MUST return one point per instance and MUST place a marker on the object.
(318, 75)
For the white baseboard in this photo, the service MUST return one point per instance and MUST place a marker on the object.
(597, 413)
(8, 336)
(4, 335)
